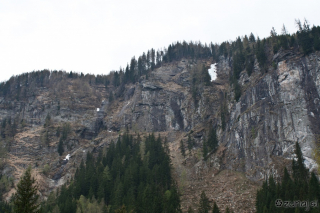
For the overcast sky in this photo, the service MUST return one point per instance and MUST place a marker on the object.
(98, 36)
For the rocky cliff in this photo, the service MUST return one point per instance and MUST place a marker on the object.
(276, 109)
(256, 135)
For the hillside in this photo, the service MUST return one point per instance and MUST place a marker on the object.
(265, 98)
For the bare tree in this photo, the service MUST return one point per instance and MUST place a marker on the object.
(284, 30)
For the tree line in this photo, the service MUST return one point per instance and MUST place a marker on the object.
(242, 53)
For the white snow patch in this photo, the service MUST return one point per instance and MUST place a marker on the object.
(67, 157)
(98, 109)
(213, 71)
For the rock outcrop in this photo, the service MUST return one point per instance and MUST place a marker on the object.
(276, 109)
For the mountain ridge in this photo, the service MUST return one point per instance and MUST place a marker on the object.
(265, 98)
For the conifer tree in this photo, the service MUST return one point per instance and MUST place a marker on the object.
(183, 150)
(237, 90)
(305, 40)
(204, 206)
(111, 97)
(314, 188)
(300, 172)
(223, 115)
(260, 53)
(252, 38)
(166, 146)
(47, 121)
(215, 208)
(204, 149)
(206, 78)
(26, 197)
(228, 210)
(60, 147)
(190, 144)
(286, 185)
(284, 30)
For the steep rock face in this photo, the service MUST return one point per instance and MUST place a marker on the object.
(276, 110)
(163, 103)
(36, 145)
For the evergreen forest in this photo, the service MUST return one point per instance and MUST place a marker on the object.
(134, 175)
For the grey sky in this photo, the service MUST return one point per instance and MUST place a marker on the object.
(98, 36)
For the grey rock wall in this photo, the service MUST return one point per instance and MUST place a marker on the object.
(274, 112)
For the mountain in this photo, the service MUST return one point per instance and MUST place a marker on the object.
(264, 99)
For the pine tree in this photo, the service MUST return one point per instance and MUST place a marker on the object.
(204, 149)
(111, 97)
(314, 188)
(183, 150)
(300, 172)
(166, 146)
(26, 197)
(47, 122)
(60, 147)
(286, 185)
(206, 78)
(46, 137)
(260, 53)
(304, 38)
(252, 38)
(237, 90)
(223, 115)
(204, 206)
(190, 144)
(228, 210)
(215, 208)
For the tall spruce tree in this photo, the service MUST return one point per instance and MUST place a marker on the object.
(190, 144)
(182, 148)
(60, 147)
(252, 38)
(300, 172)
(215, 208)
(204, 149)
(206, 78)
(26, 197)
(314, 188)
(204, 206)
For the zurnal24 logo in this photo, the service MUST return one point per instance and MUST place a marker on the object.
(297, 204)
